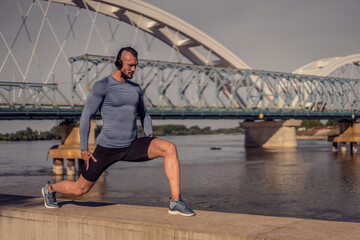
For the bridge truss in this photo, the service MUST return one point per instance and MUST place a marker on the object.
(187, 91)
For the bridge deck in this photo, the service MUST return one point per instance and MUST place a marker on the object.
(74, 112)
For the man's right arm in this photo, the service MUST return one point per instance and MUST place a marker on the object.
(92, 104)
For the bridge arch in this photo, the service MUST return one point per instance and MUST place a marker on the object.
(324, 67)
(195, 45)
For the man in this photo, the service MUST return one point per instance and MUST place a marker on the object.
(120, 101)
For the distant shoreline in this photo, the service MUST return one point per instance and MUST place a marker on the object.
(166, 130)
(320, 133)
(159, 130)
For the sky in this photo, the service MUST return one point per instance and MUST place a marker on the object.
(275, 35)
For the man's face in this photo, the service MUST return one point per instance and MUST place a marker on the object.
(129, 65)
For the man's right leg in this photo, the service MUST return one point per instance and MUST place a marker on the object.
(104, 156)
(78, 188)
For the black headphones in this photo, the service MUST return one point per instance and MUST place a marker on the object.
(118, 62)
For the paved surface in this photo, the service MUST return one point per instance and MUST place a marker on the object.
(26, 218)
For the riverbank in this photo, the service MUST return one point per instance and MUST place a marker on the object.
(24, 217)
(319, 133)
(159, 130)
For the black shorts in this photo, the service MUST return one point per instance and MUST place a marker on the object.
(136, 152)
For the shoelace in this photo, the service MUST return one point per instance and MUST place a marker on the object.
(52, 197)
(182, 205)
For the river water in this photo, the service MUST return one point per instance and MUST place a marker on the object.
(308, 181)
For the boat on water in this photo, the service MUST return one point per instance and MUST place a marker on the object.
(215, 148)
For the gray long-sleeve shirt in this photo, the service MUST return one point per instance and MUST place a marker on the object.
(119, 103)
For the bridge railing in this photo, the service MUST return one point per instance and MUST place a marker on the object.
(24, 96)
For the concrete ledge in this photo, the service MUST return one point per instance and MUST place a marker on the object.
(27, 218)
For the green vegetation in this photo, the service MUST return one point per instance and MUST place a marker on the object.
(332, 122)
(173, 130)
(29, 135)
(310, 123)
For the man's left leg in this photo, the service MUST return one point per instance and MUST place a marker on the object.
(167, 150)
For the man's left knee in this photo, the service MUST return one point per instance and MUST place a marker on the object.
(171, 148)
(168, 148)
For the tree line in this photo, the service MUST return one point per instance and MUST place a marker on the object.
(162, 130)
(29, 135)
(310, 123)
(176, 130)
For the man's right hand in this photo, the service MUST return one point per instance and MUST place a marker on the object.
(86, 155)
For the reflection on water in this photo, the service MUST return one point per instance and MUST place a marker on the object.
(308, 181)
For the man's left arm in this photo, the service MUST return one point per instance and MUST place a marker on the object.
(144, 116)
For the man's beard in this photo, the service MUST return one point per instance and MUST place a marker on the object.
(125, 76)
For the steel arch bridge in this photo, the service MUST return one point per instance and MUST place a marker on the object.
(336, 66)
(205, 80)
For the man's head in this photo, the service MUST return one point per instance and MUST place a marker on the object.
(126, 62)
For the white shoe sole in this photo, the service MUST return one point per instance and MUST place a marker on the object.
(181, 214)
(43, 194)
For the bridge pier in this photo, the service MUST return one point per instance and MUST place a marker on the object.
(349, 133)
(270, 134)
(58, 166)
(70, 167)
(70, 149)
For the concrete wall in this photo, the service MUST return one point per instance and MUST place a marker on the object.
(16, 225)
(23, 218)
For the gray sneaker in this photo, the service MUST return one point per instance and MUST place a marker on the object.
(180, 207)
(49, 197)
